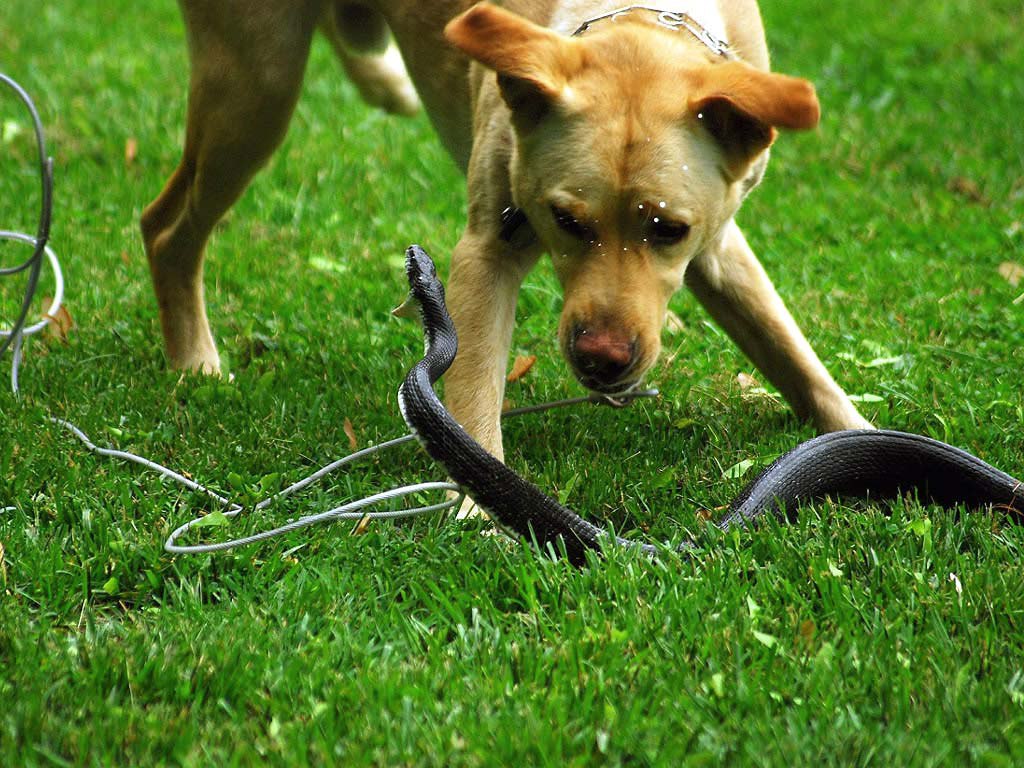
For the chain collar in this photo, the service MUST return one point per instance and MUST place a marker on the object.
(673, 20)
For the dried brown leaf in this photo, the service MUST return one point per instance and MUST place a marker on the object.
(131, 150)
(350, 432)
(60, 324)
(521, 366)
(711, 514)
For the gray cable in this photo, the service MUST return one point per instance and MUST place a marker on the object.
(348, 511)
(352, 510)
(34, 264)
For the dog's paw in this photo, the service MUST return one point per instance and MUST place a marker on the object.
(208, 365)
(842, 415)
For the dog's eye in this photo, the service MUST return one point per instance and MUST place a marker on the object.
(666, 232)
(570, 224)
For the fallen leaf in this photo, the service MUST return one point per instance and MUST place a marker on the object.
(952, 577)
(867, 397)
(765, 639)
(738, 470)
(131, 150)
(60, 324)
(1011, 272)
(214, 519)
(520, 366)
(968, 188)
(350, 432)
(752, 607)
(9, 131)
(876, 362)
(328, 265)
(717, 684)
(566, 493)
(707, 514)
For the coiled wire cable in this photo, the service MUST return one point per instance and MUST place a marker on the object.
(14, 338)
(353, 510)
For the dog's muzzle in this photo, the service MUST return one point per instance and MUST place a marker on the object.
(603, 360)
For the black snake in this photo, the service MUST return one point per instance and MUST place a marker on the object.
(875, 463)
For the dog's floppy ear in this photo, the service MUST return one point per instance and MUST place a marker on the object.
(532, 62)
(742, 106)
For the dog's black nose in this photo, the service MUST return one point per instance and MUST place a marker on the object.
(603, 358)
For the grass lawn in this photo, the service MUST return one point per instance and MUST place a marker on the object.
(851, 637)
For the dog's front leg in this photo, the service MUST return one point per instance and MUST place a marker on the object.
(483, 286)
(733, 286)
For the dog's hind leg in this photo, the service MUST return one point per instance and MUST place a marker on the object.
(363, 43)
(247, 67)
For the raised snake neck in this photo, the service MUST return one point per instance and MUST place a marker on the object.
(879, 464)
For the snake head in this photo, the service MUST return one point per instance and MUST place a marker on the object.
(424, 285)
(420, 269)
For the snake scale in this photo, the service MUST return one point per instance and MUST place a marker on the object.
(855, 463)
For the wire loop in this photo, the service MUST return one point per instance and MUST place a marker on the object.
(14, 337)
(353, 510)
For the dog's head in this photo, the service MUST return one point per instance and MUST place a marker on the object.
(633, 149)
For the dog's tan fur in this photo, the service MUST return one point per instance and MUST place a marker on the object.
(606, 141)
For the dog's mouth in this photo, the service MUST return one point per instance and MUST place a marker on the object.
(621, 388)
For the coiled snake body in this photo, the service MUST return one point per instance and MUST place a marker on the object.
(875, 463)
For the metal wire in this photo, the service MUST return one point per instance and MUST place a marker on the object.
(352, 510)
(14, 338)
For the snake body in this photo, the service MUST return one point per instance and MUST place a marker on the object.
(879, 464)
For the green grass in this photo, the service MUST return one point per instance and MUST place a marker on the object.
(851, 637)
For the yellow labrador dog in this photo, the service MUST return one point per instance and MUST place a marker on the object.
(620, 140)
